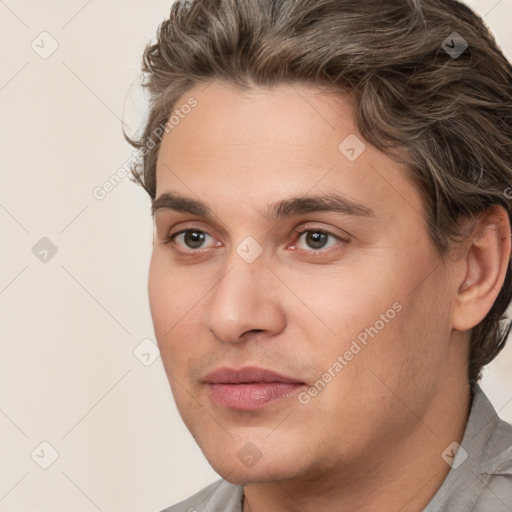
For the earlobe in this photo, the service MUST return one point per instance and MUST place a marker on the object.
(484, 267)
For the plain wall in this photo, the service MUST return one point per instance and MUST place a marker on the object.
(70, 324)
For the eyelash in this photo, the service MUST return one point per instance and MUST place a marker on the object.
(197, 252)
(319, 252)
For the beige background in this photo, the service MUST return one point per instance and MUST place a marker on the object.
(69, 326)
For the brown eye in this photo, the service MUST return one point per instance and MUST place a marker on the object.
(189, 240)
(316, 239)
(194, 239)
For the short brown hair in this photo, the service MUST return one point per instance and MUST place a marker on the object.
(446, 114)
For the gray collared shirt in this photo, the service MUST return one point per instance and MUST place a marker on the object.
(480, 479)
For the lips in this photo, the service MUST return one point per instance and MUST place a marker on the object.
(250, 387)
(249, 374)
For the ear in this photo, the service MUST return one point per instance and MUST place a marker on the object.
(482, 267)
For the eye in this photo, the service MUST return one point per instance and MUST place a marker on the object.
(316, 240)
(190, 239)
(311, 240)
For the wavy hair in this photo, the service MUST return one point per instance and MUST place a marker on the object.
(421, 96)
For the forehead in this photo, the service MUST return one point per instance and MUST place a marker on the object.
(228, 119)
(257, 146)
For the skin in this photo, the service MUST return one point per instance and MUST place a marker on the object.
(372, 438)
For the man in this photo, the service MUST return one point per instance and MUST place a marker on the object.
(331, 259)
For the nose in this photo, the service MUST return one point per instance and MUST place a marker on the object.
(245, 300)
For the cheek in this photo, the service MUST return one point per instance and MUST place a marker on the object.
(177, 302)
(160, 288)
(407, 356)
(169, 303)
(334, 309)
(390, 316)
(171, 294)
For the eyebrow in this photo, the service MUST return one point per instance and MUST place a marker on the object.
(293, 206)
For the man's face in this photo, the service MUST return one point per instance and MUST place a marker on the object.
(352, 304)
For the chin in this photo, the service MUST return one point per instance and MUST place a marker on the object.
(237, 471)
(243, 477)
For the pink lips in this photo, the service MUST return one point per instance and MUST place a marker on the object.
(249, 388)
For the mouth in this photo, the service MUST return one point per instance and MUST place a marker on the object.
(249, 388)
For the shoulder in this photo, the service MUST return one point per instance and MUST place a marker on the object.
(481, 476)
(496, 494)
(221, 496)
(495, 478)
